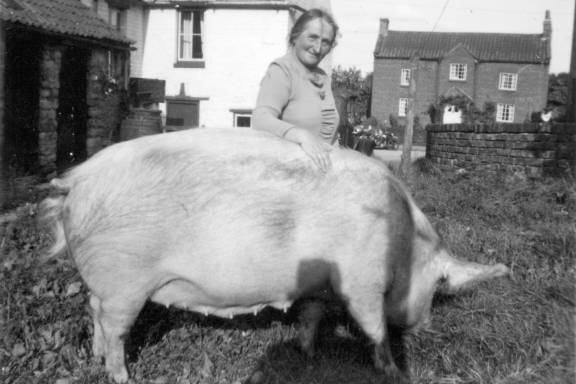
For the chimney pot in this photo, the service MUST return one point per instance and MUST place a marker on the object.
(547, 26)
(384, 23)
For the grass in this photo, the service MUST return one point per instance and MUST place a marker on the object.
(518, 330)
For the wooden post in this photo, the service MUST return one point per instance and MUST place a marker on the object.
(572, 78)
(3, 57)
(405, 160)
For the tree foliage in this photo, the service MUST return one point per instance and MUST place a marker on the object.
(357, 87)
(558, 89)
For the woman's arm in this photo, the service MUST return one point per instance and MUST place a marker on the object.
(273, 97)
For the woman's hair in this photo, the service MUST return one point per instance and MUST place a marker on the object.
(310, 15)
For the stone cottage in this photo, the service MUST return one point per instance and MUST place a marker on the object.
(62, 74)
(508, 71)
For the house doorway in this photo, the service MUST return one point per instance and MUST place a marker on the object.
(22, 84)
(72, 111)
(452, 115)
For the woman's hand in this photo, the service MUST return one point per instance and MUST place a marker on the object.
(315, 148)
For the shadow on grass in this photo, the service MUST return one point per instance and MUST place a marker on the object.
(155, 321)
(343, 353)
(339, 359)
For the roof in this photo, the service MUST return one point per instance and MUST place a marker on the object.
(272, 4)
(68, 17)
(216, 3)
(495, 47)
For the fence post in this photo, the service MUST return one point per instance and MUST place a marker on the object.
(405, 160)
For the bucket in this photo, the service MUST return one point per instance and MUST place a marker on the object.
(141, 122)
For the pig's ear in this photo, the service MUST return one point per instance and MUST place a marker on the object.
(458, 274)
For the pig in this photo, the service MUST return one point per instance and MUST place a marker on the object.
(225, 222)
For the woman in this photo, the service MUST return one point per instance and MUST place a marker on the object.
(295, 99)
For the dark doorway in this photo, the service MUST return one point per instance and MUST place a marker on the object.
(72, 108)
(22, 81)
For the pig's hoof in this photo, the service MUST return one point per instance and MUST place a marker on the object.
(309, 353)
(394, 376)
(256, 378)
(120, 377)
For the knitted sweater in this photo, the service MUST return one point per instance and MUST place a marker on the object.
(291, 95)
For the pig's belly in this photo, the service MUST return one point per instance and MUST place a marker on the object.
(224, 302)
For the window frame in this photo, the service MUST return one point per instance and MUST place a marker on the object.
(189, 61)
(236, 113)
(117, 18)
(505, 113)
(178, 109)
(456, 69)
(513, 81)
(405, 76)
(403, 111)
(117, 68)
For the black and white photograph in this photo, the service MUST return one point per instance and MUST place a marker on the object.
(287, 191)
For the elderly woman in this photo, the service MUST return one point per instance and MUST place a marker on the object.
(295, 99)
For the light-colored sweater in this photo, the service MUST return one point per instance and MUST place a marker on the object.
(291, 95)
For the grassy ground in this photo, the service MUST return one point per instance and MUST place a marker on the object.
(518, 330)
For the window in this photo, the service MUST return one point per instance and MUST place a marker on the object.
(182, 112)
(458, 72)
(242, 118)
(117, 18)
(508, 81)
(405, 77)
(505, 113)
(190, 35)
(403, 107)
(117, 68)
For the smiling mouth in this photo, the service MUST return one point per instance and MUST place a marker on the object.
(314, 55)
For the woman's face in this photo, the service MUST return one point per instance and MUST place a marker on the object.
(314, 43)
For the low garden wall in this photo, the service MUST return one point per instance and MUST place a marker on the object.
(536, 149)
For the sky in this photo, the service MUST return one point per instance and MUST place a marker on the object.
(359, 21)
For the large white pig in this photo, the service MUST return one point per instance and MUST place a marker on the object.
(225, 222)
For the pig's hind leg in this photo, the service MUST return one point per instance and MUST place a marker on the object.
(98, 341)
(113, 318)
(309, 318)
(366, 305)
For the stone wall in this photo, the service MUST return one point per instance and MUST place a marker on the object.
(50, 65)
(536, 149)
(104, 104)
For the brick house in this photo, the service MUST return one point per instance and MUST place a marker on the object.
(212, 54)
(508, 70)
(61, 71)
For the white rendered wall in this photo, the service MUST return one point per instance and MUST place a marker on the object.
(238, 47)
(135, 30)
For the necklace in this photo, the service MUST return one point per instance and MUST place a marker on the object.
(318, 81)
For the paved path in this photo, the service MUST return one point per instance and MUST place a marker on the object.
(393, 156)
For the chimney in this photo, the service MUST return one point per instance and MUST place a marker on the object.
(384, 27)
(547, 26)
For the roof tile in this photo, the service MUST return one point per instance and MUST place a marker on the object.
(69, 17)
(525, 48)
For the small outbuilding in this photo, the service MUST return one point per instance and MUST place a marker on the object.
(63, 75)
